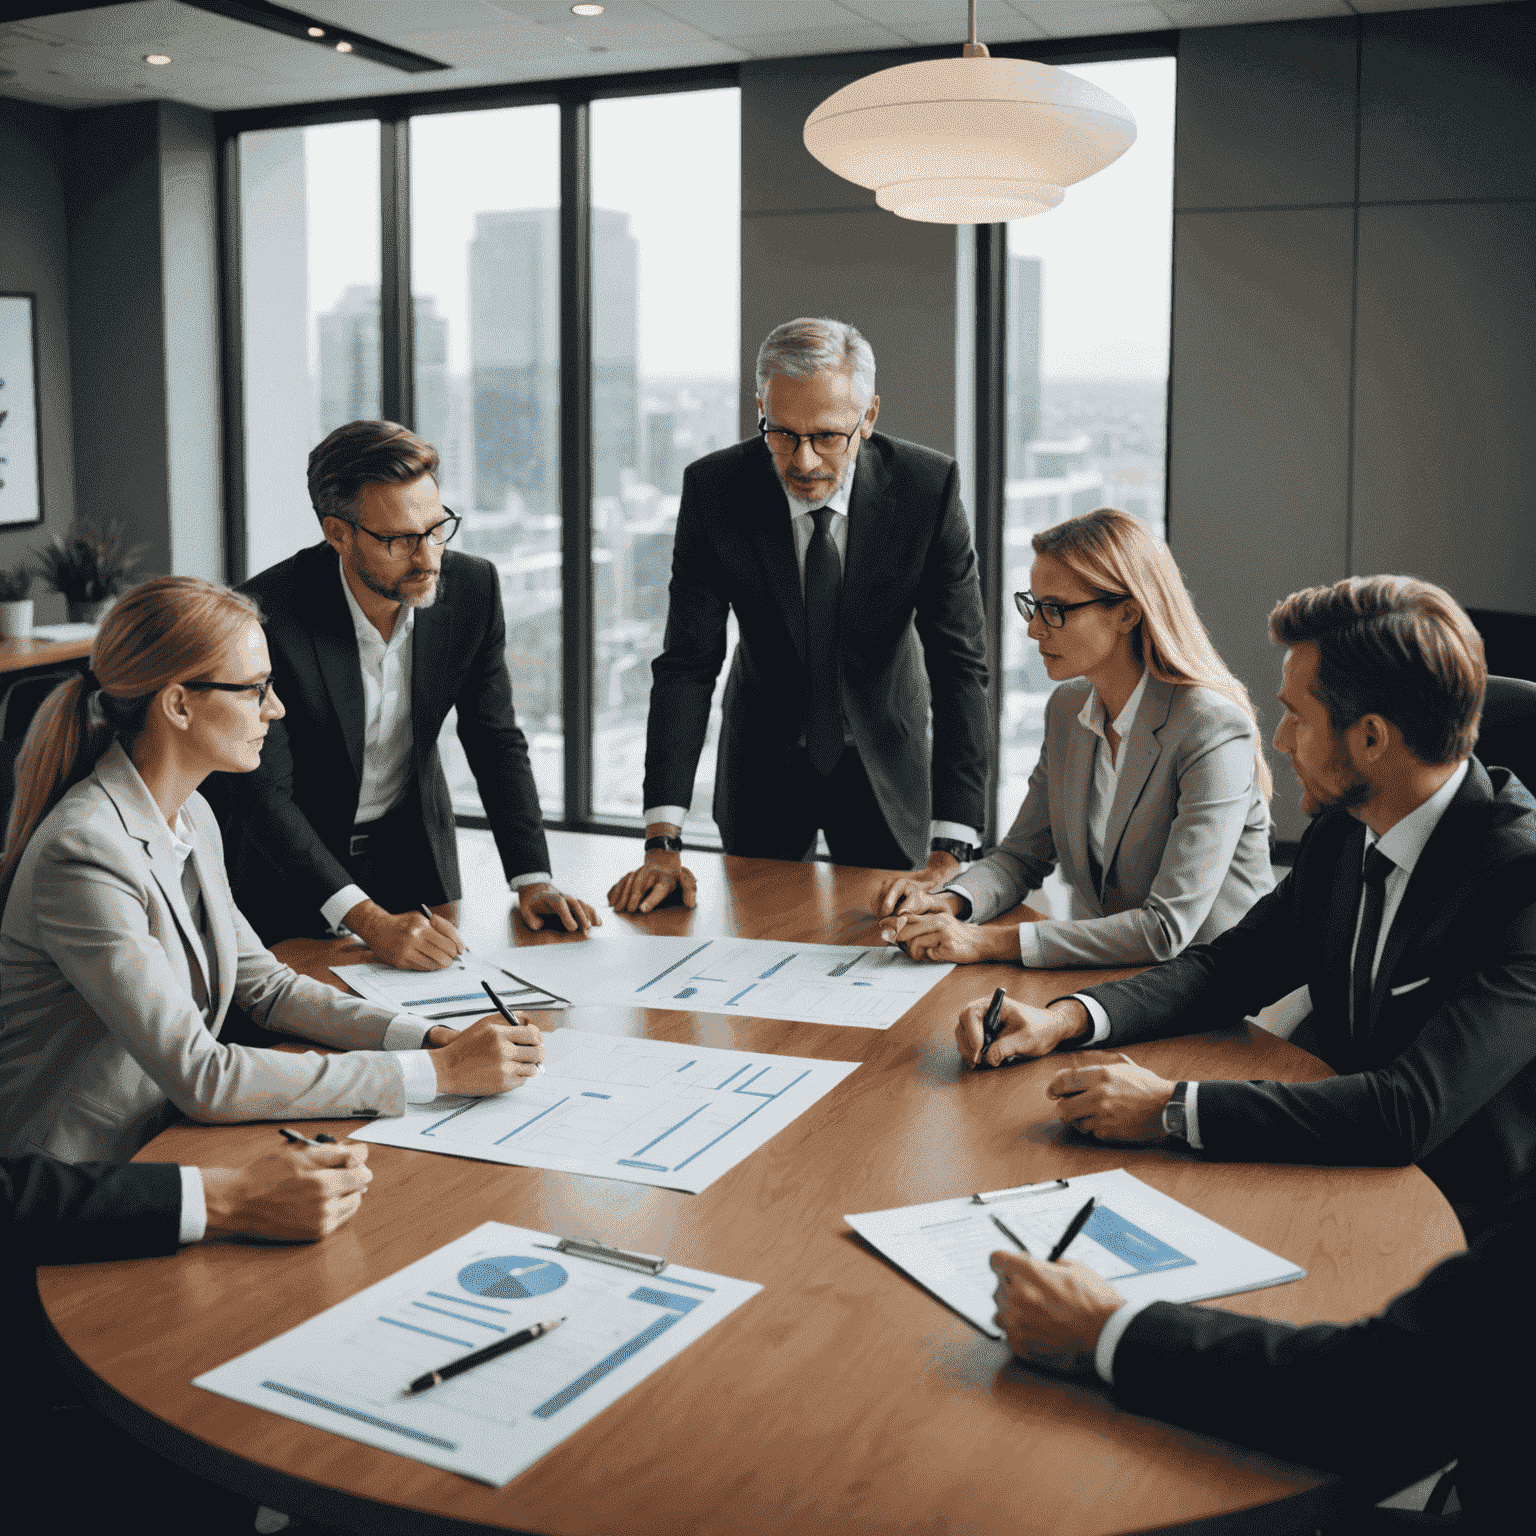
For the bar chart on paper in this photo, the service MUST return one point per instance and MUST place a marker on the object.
(646, 1111)
(868, 986)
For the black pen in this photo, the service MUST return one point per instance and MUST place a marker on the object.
(501, 1008)
(322, 1140)
(480, 1356)
(1074, 1226)
(991, 1026)
(1012, 1236)
(429, 914)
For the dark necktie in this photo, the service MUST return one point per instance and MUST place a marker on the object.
(1377, 867)
(823, 593)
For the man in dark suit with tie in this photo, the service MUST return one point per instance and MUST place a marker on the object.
(1410, 915)
(375, 635)
(847, 559)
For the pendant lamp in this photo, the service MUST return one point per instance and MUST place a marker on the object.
(973, 140)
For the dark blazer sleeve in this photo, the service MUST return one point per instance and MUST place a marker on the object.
(494, 744)
(62, 1213)
(952, 629)
(693, 649)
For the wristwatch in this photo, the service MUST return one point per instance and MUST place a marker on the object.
(964, 852)
(1175, 1123)
(667, 844)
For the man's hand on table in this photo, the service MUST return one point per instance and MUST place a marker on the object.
(933, 932)
(644, 889)
(1053, 1314)
(1116, 1102)
(535, 903)
(406, 940)
(1026, 1031)
(491, 1056)
(296, 1194)
(911, 892)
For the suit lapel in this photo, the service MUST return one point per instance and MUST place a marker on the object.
(866, 509)
(335, 642)
(1073, 786)
(1141, 750)
(767, 513)
(1344, 912)
(430, 638)
(221, 927)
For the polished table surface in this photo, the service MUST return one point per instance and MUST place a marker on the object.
(35, 651)
(842, 1398)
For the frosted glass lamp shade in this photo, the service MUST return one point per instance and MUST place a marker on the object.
(969, 140)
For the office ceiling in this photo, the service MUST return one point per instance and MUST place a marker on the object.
(94, 56)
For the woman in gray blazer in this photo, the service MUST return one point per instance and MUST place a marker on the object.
(1151, 791)
(121, 949)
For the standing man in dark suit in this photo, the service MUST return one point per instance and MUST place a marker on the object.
(848, 561)
(1410, 914)
(348, 820)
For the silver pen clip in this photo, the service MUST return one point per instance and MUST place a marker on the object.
(988, 1196)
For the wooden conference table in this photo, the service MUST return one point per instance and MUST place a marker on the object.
(842, 1398)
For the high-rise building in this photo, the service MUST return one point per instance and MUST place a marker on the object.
(1022, 303)
(349, 359)
(615, 350)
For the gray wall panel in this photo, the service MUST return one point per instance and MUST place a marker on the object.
(1445, 471)
(1266, 115)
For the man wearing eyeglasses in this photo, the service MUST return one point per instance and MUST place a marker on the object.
(375, 635)
(846, 557)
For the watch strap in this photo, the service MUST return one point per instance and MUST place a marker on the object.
(667, 844)
(964, 852)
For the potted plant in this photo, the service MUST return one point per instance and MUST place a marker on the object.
(15, 605)
(87, 566)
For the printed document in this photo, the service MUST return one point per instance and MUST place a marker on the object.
(646, 1111)
(1144, 1243)
(452, 994)
(347, 1369)
(867, 986)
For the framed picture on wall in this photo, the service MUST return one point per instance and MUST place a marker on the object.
(21, 472)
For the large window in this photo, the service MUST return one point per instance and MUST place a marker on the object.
(1087, 309)
(485, 279)
(666, 273)
(310, 294)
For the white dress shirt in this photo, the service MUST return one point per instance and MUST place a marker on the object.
(803, 528)
(387, 738)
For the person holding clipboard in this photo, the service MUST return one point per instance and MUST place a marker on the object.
(1151, 791)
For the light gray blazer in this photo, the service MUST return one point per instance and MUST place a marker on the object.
(1186, 849)
(102, 1029)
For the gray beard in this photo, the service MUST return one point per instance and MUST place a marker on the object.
(799, 503)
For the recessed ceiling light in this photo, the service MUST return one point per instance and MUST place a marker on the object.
(317, 31)
(343, 47)
(588, 10)
(157, 58)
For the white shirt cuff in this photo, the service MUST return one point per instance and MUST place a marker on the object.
(1099, 1017)
(963, 894)
(194, 1207)
(407, 1032)
(533, 877)
(1109, 1338)
(676, 814)
(420, 1076)
(1192, 1117)
(341, 903)
(954, 830)
(1032, 953)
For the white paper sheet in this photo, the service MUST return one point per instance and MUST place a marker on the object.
(1144, 1243)
(452, 994)
(645, 1111)
(346, 1369)
(870, 987)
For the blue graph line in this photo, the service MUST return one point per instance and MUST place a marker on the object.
(727, 1131)
(692, 1285)
(567, 1395)
(686, 992)
(455, 997)
(586, 1095)
(463, 1343)
(848, 965)
(680, 1124)
(746, 1087)
(526, 1123)
(732, 1000)
(736, 1073)
(772, 968)
(446, 1118)
(479, 1322)
(460, 1301)
(662, 1299)
(684, 961)
(366, 1418)
(629, 1162)
(688, 1064)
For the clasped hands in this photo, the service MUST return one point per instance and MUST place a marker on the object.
(412, 941)
(1118, 1101)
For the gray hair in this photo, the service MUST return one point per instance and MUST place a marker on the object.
(800, 349)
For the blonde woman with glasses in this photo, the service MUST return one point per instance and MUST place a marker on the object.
(1151, 792)
(121, 949)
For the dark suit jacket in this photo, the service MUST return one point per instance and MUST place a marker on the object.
(288, 823)
(1442, 1073)
(1441, 1374)
(911, 603)
(65, 1213)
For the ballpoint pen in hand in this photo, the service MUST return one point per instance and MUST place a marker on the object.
(991, 1027)
(504, 1011)
(1012, 1236)
(322, 1140)
(480, 1356)
(429, 914)
(1074, 1226)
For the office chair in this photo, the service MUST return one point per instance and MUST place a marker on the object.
(1508, 735)
(20, 702)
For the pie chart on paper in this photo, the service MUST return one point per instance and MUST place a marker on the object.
(511, 1279)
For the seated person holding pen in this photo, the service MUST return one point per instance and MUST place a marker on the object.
(121, 949)
(1386, 1400)
(1151, 790)
(376, 633)
(1410, 914)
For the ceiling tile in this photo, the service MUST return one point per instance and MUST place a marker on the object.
(857, 38)
(943, 21)
(744, 18)
(1229, 13)
(1067, 18)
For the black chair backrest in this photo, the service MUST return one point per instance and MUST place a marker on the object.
(1508, 735)
(18, 704)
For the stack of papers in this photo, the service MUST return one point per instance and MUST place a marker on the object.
(453, 993)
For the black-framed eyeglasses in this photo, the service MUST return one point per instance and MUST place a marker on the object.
(1055, 614)
(261, 689)
(403, 546)
(781, 441)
